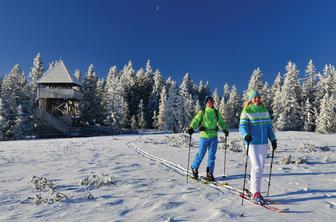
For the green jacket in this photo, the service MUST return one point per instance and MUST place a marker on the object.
(209, 122)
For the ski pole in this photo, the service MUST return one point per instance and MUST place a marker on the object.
(188, 157)
(247, 150)
(270, 174)
(225, 144)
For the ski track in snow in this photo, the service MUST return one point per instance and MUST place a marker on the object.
(152, 186)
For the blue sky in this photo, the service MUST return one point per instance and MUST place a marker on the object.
(215, 40)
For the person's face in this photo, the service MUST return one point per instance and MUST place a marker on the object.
(210, 104)
(256, 100)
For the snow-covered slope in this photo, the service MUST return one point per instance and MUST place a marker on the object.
(136, 188)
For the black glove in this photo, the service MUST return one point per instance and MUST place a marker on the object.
(226, 132)
(190, 131)
(202, 128)
(248, 138)
(274, 144)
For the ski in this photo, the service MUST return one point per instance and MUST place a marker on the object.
(203, 180)
(246, 195)
(217, 184)
(266, 205)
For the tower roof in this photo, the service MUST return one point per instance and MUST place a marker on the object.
(58, 74)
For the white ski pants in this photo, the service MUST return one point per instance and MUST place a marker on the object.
(257, 154)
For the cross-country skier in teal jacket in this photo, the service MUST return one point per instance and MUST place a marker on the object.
(256, 129)
(207, 122)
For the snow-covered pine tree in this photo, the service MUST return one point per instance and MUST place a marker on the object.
(124, 120)
(128, 81)
(226, 92)
(78, 75)
(309, 117)
(155, 120)
(174, 104)
(291, 116)
(141, 116)
(90, 105)
(186, 86)
(134, 122)
(144, 88)
(163, 112)
(101, 95)
(326, 85)
(36, 73)
(147, 91)
(19, 127)
(277, 100)
(310, 83)
(115, 104)
(267, 98)
(187, 109)
(15, 92)
(198, 107)
(216, 98)
(223, 110)
(277, 85)
(168, 83)
(256, 82)
(1, 119)
(203, 91)
(154, 99)
(309, 95)
(188, 112)
(233, 107)
(326, 119)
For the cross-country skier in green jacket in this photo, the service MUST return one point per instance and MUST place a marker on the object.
(207, 122)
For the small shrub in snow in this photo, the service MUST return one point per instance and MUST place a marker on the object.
(309, 148)
(49, 189)
(235, 146)
(42, 184)
(181, 141)
(289, 160)
(285, 160)
(232, 146)
(178, 141)
(300, 160)
(97, 181)
(54, 197)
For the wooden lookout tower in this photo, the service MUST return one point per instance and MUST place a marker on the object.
(58, 95)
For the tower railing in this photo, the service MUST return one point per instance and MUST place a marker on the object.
(58, 93)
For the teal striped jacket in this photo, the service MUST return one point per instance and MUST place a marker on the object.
(256, 121)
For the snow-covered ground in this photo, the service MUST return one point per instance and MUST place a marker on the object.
(132, 187)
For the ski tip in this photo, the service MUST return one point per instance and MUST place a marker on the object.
(286, 210)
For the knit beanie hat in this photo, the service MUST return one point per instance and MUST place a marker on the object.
(253, 93)
(209, 99)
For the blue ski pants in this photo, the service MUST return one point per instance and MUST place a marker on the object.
(204, 145)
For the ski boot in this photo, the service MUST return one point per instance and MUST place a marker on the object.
(210, 176)
(195, 173)
(257, 198)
